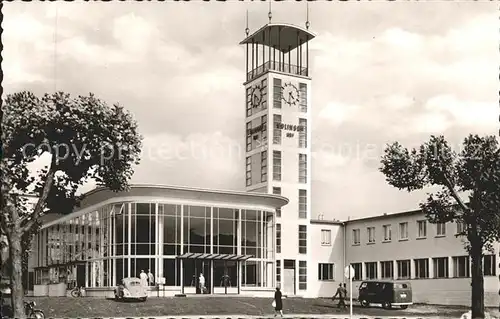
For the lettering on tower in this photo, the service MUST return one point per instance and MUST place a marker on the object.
(254, 130)
(290, 127)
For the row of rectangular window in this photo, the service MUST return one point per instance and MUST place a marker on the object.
(461, 268)
(131, 228)
(277, 191)
(302, 273)
(109, 272)
(277, 162)
(302, 235)
(403, 232)
(263, 166)
(302, 202)
(326, 272)
(302, 209)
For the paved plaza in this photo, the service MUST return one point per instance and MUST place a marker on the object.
(230, 307)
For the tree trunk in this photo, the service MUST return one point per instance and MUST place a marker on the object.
(16, 277)
(477, 305)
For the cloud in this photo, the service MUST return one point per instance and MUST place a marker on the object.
(397, 102)
(134, 33)
(431, 123)
(403, 39)
(79, 50)
(336, 113)
(17, 74)
(21, 30)
(24, 27)
(471, 114)
(206, 160)
(393, 76)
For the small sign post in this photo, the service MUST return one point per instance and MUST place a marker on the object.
(349, 273)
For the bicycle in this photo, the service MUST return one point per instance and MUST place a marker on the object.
(76, 292)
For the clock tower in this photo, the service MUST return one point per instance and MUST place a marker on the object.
(278, 141)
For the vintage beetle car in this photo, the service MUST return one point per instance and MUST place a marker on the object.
(131, 288)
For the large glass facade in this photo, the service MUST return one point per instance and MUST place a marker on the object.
(101, 247)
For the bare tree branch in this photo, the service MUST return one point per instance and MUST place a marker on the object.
(455, 195)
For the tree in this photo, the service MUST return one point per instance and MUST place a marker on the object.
(472, 173)
(5, 264)
(83, 139)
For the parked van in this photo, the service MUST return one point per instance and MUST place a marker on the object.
(386, 293)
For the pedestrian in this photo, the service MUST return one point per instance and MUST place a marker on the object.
(341, 293)
(151, 278)
(345, 290)
(144, 279)
(201, 281)
(278, 302)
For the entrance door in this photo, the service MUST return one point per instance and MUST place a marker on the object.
(203, 267)
(288, 285)
(80, 275)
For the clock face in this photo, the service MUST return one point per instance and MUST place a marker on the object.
(256, 96)
(290, 94)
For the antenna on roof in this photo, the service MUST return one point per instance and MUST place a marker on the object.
(247, 30)
(270, 14)
(307, 15)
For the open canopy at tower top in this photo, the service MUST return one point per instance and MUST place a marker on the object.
(281, 36)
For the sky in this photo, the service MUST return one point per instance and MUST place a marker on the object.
(381, 72)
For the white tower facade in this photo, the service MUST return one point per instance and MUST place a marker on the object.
(278, 141)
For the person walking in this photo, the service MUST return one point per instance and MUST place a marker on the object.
(151, 278)
(341, 293)
(201, 281)
(144, 279)
(345, 291)
(278, 302)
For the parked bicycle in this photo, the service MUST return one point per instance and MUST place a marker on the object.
(76, 292)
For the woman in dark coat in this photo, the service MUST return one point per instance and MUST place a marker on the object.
(278, 302)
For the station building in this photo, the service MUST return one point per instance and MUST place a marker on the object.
(405, 246)
(178, 232)
(175, 233)
(250, 242)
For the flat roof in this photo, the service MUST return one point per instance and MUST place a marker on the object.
(102, 194)
(385, 215)
(326, 222)
(285, 37)
(389, 215)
